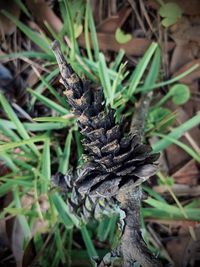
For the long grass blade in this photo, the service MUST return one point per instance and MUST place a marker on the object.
(177, 133)
(140, 69)
(13, 117)
(49, 103)
(46, 166)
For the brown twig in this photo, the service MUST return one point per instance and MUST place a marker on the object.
(140, 115)
(133, 248)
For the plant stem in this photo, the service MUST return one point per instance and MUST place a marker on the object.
(133, 248)
(140, 114)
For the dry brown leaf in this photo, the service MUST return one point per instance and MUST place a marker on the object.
(186, 35)
(29, 254)
(3, 236)
(136, 46)
(188, 174)
(16, 238)
(40, 225)
(184, 250)
(190, 78)
(7, 27)
(176, 156)
(44, 13)
(32, 78)
(182, 54)
(111, 24)
(173, 223)
(179, 190)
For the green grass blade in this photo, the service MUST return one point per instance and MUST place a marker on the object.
(169, 212)
(105, 79)
(154, 69)
(93, 33)
(28, 54)
(88, 242)
(70, 24)
(29, 142)
(51, 119)
(186, 148)
(66, 154)
(153, 194)
(6, 130)
(49, 103)
(40, 88)
(161, 214)
(177, 133)
(59, 245)
(140, 69)
(23, 8)
(115, 65)
(163, 206)
(34, 127)
(173, 80)
(86, 32)
(61, 99)
(13, 117)
(79, 147)
(67, 218)
(22, 164)
(8, 161)
(46, 167)
(22, 218)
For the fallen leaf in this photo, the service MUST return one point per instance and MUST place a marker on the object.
(179, 190)
(7, 26)
(135, 47)
(110, 24)
(184, 250)
(16, 238)
(172, 223)
(193, 76)
(29, 254)
(121, 37)
(183, 53)
(44, 13)
(188, 174)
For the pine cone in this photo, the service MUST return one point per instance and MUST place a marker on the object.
(84, 206)
(113, 158)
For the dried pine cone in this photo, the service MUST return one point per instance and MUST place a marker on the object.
(113, 158)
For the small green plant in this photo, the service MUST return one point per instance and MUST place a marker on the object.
(170, 12)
